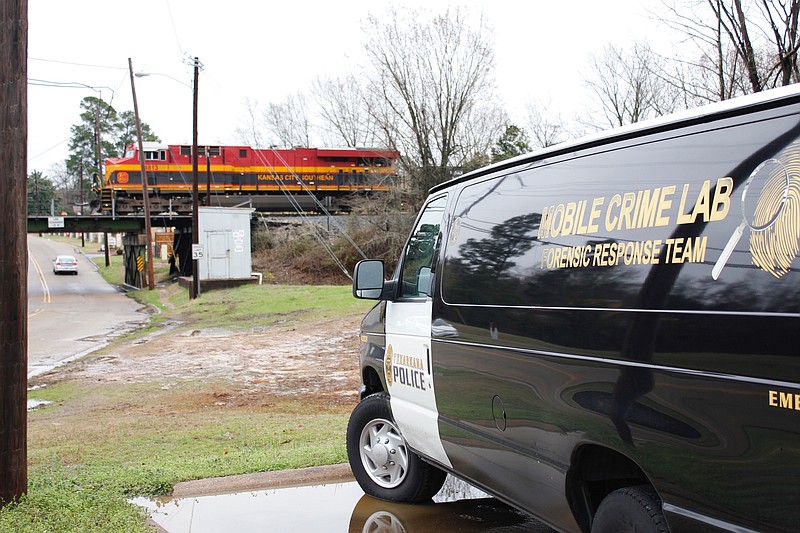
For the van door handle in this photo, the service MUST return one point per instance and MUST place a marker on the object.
(428, 357)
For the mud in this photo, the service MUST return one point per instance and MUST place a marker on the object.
(248, 364)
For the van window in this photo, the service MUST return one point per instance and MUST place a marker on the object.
(589, 231)
(417, 273)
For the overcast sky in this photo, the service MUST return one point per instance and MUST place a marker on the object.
(267, 50)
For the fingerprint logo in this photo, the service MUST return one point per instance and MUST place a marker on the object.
(775, 241)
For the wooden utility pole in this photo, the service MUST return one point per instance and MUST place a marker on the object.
(13, 250)
(195, 292)
(148, 238)
(83, 240)
(99, 152)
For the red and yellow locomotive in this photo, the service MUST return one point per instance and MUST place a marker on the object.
(267, 179)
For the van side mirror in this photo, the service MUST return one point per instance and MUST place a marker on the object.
(368, 279)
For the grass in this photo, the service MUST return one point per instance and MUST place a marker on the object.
(264, 305)
(113, 273)
(174, 435)
(83, 468)
(96, 445)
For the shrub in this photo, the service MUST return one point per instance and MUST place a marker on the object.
(292, 251)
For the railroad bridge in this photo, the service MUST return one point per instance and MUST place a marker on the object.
(133, 227)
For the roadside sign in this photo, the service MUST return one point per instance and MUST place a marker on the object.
(197, 251)
(55, 222)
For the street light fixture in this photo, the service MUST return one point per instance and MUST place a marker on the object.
(145, 74)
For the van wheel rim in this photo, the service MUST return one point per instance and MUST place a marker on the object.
(384, 453)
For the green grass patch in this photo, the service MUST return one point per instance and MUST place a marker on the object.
(114, 273)
(246, 306)
(57, 502)
(264, 305)
(97, 445)
(250, 306)
(142, 439)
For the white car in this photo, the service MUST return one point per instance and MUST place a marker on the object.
(65, 263)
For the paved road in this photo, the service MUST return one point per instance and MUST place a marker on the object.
(68, 315)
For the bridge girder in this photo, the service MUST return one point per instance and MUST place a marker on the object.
(106, 223)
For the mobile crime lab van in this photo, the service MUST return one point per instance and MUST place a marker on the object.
(605, 333)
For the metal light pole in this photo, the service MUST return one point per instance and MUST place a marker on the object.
(146, 199)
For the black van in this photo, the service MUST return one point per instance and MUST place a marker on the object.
(605, 333)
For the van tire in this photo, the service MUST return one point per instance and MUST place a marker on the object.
(382, 463)
(629, 510)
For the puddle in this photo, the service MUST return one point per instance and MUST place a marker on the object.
(33, 403)
(311, 508)
(340, 507)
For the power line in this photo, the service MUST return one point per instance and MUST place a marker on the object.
(67, 85)
(174, 29)
(31, 158)
(302, 213)
(75, 64)
(319, 205)
(73, 85)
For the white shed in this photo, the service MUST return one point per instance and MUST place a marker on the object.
(225, 240)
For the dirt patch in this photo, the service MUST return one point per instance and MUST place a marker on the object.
(278, 269)
(317, 359)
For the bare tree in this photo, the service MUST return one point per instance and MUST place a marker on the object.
(627, 89)
(742, 46)
(433, 84)
(482, 126)
(705, 78)
(66, 183)
(288, 122)
(782, 17)
(283, 124)
(60, 176)
(544, 124)
(344, 112)
(251, 133)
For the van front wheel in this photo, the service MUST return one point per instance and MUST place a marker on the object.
(381, 461)
(630, 510)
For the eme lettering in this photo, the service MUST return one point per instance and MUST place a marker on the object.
(784, 400)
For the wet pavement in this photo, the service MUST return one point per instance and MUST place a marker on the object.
(336, 507)
(71, 316)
